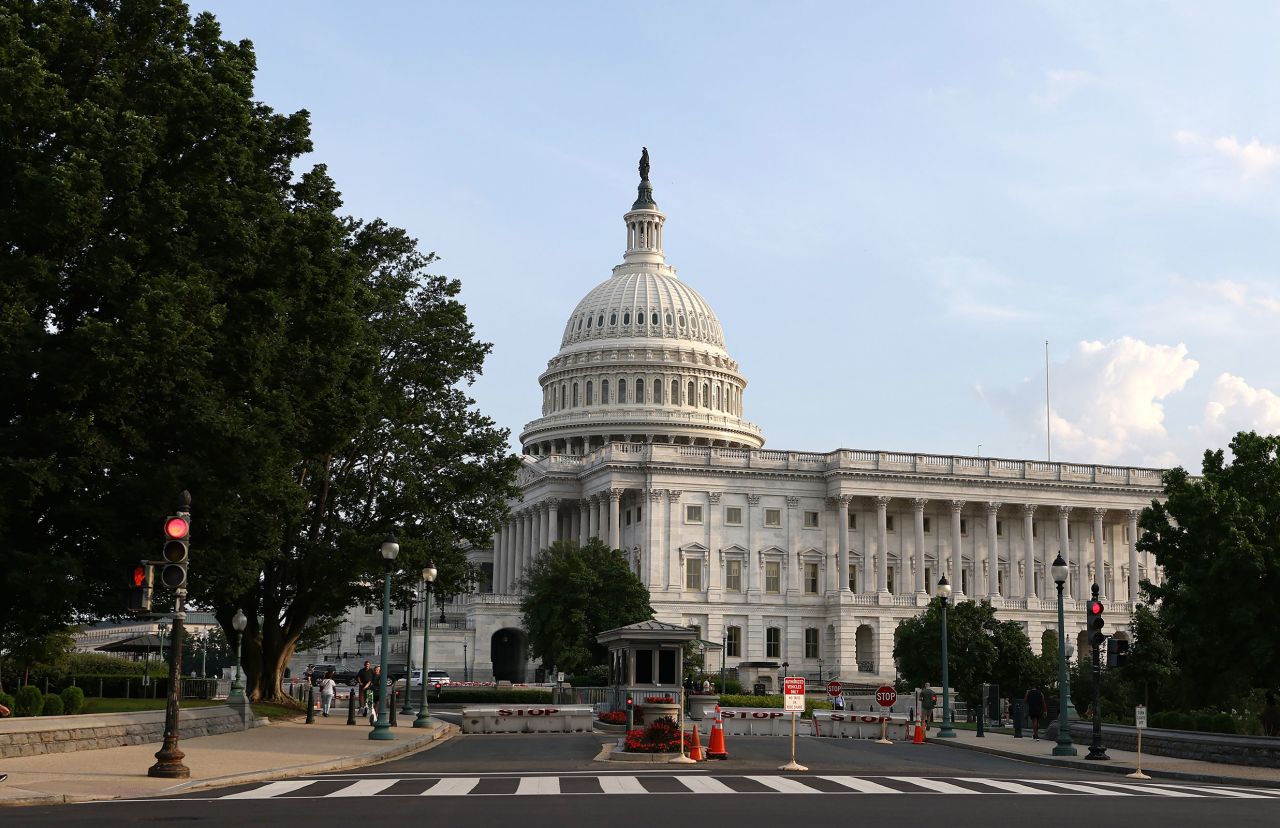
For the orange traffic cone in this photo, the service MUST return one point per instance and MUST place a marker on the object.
(695, 753)
(715, 749)
(918, 739)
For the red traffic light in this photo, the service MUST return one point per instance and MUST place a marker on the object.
(176, 528)
(139, 576)
(1095, 608)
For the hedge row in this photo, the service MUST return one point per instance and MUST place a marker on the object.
(1203, 722)
(483, 695)
(810, 704)
(31, 702)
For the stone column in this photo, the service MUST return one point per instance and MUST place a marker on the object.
(993, 550)
(753, 555)
(793, 552)
(1029, 549)
(593, 512)
(526, 541)
(714, 581)
(584, 521)
(671, 558)
(882, 545)
(1133, 554)
(956, 551)
(650, 564)
(553, 520)
(831, 555)
(1064, 547)
(1099, 571)
(842, 577)
(918, 505)
(615, 535)
(539, 535)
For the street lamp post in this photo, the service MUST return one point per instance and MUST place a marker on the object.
(407, 708)
(238, 623)
(382, 729)
(428, 578)
(724, 653)
(1063, 747)
(944, 594)
(466, 675)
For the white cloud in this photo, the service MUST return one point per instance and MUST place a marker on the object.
(1061, 84)
(1253, 160)
(1106, 401)
(969, 287)
(1234, 405)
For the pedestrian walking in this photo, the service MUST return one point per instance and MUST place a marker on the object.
(1034, 700)
(928, 698)
(4, 712)
(364, 686)
(378, 690)
(328, 689)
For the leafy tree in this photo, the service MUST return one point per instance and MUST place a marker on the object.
(181, 308)
(572, 594)
(1150, 670)
(980, 649)
(1218, 541)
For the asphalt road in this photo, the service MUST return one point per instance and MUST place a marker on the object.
(504, 780)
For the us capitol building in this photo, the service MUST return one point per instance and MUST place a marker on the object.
(796, 556)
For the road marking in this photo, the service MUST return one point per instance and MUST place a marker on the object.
(704, 784)
(1150, 789)
(935, 785)
(1072, 786)
(364, 787)
(269, 790)
(783, 784)
(1012, 787)
(861, 785)
(620, 785)
(1217, 791)
(539, 785)
(456, 786)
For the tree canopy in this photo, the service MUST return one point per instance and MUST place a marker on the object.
(1217, 539)
(181, 308)
(980, 649)
(572, 594)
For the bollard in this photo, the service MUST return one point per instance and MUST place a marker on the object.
(982, 716)
(351, 706)
(311, 704)
(1017, 712)
(392, 704)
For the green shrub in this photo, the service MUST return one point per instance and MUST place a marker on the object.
(52, 705)
(1224, 723)
(28, 702)
(1204, 722)
(1159, 719)
(72, 700)
(810, 703)
(7, 700)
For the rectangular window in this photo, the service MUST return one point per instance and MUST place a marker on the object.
(637, 514)
(999, 528)
(733, 576)
(811, 642)
(1126, 534)
(928, 579)
(773, 643)
(1035, 530)
(811, 520)
(964, 581)
(773, 517)
(1000, 582)
(693, 573)
(811, 578)
(890, 576)
(888, 523)
(964, 526)
(1070, 532)
(627, 519)
(733, 642)
(692, 514)
(928, 526)
(772, 577)
(853, 577)
(853, 520)
(733, 516)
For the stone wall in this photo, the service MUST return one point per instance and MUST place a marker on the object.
(60, 734)
(1184, 744)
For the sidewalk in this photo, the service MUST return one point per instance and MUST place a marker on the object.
(275, 751)
(1121, 761)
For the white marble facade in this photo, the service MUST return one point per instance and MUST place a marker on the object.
(809, 558)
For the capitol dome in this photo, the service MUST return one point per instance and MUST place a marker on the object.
(642, 359)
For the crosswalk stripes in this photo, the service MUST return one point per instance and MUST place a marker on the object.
(767, 784)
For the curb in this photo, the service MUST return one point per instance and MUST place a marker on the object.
(447, 731)
(1096, 767)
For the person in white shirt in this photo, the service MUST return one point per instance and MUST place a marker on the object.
(328, 687)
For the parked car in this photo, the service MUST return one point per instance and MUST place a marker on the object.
(434, 677)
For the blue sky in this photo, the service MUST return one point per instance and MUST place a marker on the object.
(891, 207)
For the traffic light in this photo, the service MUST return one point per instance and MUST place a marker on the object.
(1096, 635)
(141, 581)
(1117, 652)
(177, 538)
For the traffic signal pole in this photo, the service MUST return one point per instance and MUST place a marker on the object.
(1096, 749)
(169, 758)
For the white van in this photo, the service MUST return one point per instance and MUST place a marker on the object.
(434, 677)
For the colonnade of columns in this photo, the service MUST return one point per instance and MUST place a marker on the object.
(533, 528)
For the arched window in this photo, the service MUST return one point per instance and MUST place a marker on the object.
(613, 319)
(669, 319)
(600, 321)
(575, 395)
(675, 392)
(653, 320)
(563, 392)
(639, 317)
(657, 392)
(579, 323)
(640, 391)
(626, 318)
(604, 392)
(716, 398)
(692, 397)
(622, 390)
(706, 395)
(589, 401)
(588, 322)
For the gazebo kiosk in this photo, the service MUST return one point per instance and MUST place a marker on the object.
(646, 661)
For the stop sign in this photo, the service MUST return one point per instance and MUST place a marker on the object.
(834, 689)
(886, 696)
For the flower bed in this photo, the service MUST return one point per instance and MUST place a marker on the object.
(660, 736)
(613, 717)
(659, 700)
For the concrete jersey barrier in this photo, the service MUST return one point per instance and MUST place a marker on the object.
(854, 725)
(528, 718)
